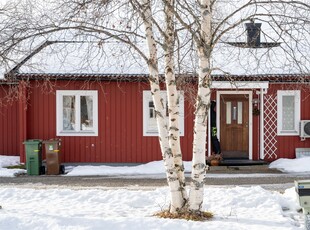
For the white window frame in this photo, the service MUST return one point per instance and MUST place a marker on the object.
(280, 95)
(147, 97)
(59, 112)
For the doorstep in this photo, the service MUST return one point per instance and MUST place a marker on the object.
(240, 169)
(241, 162)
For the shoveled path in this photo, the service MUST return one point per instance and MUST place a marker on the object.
(216, 176)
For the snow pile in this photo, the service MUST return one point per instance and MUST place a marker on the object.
(298, 165)
(155, 167)
(233, 208)
(6, 161)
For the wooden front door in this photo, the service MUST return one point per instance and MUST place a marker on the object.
(234, 125)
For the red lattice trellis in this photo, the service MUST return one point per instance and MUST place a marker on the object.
(270, 126)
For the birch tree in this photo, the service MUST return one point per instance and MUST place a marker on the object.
(203, 46)
(200, 28)
(173, 102)
(169, 140)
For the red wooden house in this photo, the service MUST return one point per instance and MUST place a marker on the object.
(262, 112)
(109, 118)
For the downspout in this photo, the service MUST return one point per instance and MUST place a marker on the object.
(22, 119)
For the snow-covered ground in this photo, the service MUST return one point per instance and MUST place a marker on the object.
(152, 169)
(71, 208)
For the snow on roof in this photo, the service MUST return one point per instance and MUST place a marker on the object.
(115, 58)
(84, 58)
(112, 57)
(252, 61)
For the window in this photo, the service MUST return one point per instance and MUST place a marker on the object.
(149, 113)
(288, 112)
(77, 113)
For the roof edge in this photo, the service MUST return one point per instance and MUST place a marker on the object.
(144, 77)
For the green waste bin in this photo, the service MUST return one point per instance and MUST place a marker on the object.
(33, 156)
(53, 160)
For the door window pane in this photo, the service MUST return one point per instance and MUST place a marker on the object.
(234, 113)
(228, 112)
(68, 112)
(239, 112)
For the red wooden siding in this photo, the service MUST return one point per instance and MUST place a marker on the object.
(8, 124)
(120, 118)
(256, 136)
(286, 145)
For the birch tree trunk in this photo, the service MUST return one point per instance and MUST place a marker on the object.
(173, 99)
(202, 105)
(177, 194)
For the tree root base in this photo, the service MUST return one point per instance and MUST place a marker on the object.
(194, 216)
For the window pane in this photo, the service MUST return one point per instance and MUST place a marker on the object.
(152, 120)
(234, 117)
(152, 109)
(87, 122)
(240, 110)
(228, 112)
(68, 112)
(288, 112)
